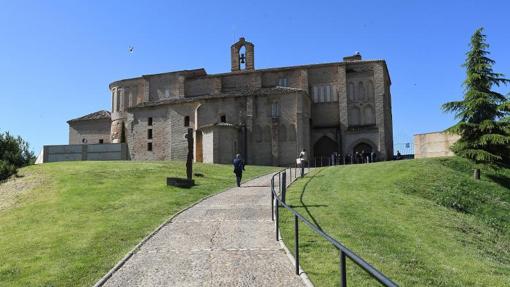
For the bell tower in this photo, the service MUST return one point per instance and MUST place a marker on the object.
(238, 59)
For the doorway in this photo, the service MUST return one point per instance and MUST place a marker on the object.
(199, 154)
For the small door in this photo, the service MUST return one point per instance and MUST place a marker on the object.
(199, 151)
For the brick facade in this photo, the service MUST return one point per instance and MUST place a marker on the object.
(267, 115)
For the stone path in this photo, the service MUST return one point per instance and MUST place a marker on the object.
(226, 240)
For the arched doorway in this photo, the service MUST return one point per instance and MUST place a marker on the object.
(361, 151)
(323, 149)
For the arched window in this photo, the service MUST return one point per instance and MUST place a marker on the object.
(370, 90)
(351, 92)
(361, 92)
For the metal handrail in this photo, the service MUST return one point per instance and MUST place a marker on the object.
(344, 251)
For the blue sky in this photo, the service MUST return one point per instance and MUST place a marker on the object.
(58, 57)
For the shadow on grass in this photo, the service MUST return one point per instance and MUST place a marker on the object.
(306, 206)
(500, 179)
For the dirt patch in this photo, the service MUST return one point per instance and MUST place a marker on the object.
(13, 188)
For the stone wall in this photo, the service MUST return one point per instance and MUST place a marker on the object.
(89, 131)
(55, 153)
(433, 144)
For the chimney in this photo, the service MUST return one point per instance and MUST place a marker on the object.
(355, 57)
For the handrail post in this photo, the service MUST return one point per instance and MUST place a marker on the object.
(280, 182)
(277, 217)
(343, 273)
(284, 186)
(296, 243)
(272, 199)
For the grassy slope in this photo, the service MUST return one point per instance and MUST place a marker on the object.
(88, 215)
(421, 222)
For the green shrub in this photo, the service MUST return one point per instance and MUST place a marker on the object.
(14, 153)
(6, 170)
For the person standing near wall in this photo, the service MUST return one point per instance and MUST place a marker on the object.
(303, 160)
(238, 169)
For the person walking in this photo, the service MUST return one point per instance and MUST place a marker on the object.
(238, 169)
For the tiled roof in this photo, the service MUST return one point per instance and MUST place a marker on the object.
(93, 116)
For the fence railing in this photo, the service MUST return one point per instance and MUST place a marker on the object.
(279, 200)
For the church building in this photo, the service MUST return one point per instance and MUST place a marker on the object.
(266, 115)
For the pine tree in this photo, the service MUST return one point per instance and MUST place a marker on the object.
(484, 115)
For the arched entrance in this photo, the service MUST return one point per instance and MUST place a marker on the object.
(361, 151)
(323, 149)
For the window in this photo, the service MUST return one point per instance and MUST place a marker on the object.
(149, 121)
(149, 134)
(84, 141)
(324, 94)
(223, 119)
(275, 110)
(149, 146)
(315, 94)
(283, 82)
(101, 141)
(186, 121)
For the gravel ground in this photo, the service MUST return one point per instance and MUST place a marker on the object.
(226, 240)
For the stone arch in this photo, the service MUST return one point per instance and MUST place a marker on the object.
(325, 146)
(353, 145)
(368, 115)
(257, 133)
(351, 92)
(236, 57)
(282, 133)
(267, 134)
(370, 90)
(292, 133)
(354, 116)
(361, 92)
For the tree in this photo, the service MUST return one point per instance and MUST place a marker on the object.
(14, 153)
(483, 114)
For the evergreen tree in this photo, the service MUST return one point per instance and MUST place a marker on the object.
(484, 115)
(14, 153)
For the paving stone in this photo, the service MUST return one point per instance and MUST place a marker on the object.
(226, 240)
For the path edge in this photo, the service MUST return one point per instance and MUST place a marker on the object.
(302, 273)
(137, 247)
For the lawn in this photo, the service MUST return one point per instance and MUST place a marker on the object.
(421, 222)
(67, 224)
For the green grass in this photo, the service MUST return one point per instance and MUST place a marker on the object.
(87, 215)
(421, 222)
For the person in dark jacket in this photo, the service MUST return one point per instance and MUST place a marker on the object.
(238, 169)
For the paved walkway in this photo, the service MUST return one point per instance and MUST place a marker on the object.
(226, 240)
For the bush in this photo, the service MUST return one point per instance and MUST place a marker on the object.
(14, 153)
(6, 170)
